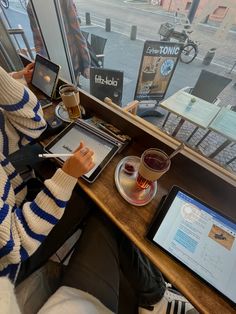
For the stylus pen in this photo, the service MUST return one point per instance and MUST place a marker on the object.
(54, 155)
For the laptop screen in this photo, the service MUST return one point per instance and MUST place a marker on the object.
(202, 239)
(45, 75)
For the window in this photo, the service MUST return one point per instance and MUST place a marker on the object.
(220, 11)
(112, 36)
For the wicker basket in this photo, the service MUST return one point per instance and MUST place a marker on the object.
(166, 29)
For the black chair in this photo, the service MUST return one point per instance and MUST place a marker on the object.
(98, 45)
(209, 85)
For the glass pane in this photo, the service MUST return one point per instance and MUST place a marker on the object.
(16, 14)
(109, 36)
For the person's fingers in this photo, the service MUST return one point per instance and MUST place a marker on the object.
(89, 153)
(81, 145)
(30, 66)
(84, 151)
(88, 156)
(91, 165)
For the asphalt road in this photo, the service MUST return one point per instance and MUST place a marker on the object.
(123, 16)
(147, 18)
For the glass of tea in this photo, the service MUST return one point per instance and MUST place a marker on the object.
(70, 98)
(153, 164)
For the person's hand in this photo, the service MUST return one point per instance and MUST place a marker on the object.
(80, 163)
(28, 72)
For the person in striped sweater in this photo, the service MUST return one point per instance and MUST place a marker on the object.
(87, 286)
(25, 225)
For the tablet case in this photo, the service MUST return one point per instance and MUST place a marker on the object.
(93, 131)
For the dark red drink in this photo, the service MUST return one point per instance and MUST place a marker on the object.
(154, 163)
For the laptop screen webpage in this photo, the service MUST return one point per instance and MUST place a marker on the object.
(201, 239)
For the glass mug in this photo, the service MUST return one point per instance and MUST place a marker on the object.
(71, 100)
(153, 164)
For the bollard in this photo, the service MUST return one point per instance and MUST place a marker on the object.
(206, 19)
(209, 56)
(133, 32)
(108, 25)
(87, 18)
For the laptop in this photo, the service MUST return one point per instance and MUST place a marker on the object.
(45, 77)
(199, 237)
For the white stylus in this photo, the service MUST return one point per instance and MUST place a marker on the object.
(54, 155)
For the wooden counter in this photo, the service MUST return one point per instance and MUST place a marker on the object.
(134, 221)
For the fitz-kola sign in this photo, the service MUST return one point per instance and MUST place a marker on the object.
(106, 83)
(157, 66)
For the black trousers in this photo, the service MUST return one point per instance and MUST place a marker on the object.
(101, 256)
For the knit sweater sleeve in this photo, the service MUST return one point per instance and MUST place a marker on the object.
(21, 117)
(23, 228)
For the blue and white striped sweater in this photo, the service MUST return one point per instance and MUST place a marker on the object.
(24, 225)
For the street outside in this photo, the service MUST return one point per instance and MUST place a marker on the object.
(124, 54)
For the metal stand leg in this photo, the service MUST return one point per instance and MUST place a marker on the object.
(203, 138)
(166, 118)
(231, 160)
(192, 134)
(176, 130)
(219, 149)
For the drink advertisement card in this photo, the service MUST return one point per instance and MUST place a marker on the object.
(106, 83)
(157, 66)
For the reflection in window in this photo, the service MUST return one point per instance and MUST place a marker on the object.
(78, 48)
(39, 46)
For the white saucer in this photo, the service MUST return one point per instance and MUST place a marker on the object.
(62, 113)
(126, 184)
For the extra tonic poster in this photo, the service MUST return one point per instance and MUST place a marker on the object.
(157, 66)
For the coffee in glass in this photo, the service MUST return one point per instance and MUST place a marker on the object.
(70, 97)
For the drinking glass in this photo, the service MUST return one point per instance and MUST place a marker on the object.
(70, 98)
(153, 164)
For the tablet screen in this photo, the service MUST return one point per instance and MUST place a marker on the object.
(45, 75)
(70, 139)
(199, 237)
